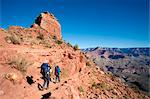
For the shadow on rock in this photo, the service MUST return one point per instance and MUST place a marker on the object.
(46, 96)
(40, 87)
(30, 80)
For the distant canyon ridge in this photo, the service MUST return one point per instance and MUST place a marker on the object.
(132, 65)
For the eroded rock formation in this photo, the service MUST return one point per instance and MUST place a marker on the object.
(48, 22)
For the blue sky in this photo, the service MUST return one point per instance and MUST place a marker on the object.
(88, 23)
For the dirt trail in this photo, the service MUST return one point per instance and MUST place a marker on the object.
(32, 91)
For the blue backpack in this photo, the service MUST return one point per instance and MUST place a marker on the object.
(58, 70)
(45, 68)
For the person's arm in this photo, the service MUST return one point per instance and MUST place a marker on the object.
(41, 69)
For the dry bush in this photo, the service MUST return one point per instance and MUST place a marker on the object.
(34, 42)
(88, 63)
(80, 88)
(100, 86)
(20, 63)
(46, 43)
(59, 41)
(64, 73)
(40, 36)
(13, 38)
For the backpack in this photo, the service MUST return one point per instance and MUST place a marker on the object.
(57, 70)
(45, 68)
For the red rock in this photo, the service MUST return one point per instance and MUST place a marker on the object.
(48, 22)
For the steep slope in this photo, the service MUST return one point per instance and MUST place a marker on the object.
(66, 57)
(130, 64)
(23, 50)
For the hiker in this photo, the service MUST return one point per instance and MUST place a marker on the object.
(45, 71)
(57, 73)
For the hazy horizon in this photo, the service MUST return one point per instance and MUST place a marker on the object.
(115, 47)
(88, 23)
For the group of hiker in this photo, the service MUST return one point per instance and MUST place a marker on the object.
(46, 71)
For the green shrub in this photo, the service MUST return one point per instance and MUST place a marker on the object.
(94, 84)
(99, 85)
(40, 36)
(59, 41)
(48, 46)
(54, 37)
(110, 74)
(80, 89)
(76, 47)
(126, 97)
(88, 63)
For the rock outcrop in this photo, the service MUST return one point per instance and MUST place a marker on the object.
(48, 22)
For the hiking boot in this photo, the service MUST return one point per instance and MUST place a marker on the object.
(42, 89)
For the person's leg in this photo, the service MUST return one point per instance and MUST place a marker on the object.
(58, 78)
(45, 83)
(48, 82)
(50, 79)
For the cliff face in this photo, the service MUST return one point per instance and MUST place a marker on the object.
(48, 22)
